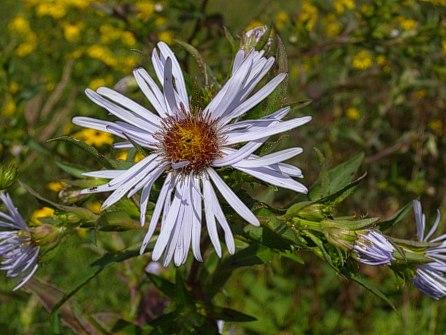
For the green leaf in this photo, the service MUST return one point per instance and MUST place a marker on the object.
(371, 287)
(101, 263)
(164, 285)
(336, 178)
(72, 169)
(396, 218)
(86, 148)
(228, 314)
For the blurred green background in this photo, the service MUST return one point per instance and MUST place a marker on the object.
(375, 72)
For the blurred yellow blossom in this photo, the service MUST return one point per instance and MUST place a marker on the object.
(281, 19)
(56, 186)
(81, 4)
(95, 207)
(19, 24)
(123, 156)
(75, 54)
(43, 212)
(96, 83)
(406, 23)
(443, 46)
(160, 21)
(353, 113)
(13, 87)
(103, 54)
(362, 60)
(94, 137)
(54, 9)
(342, 5)
(128, 39)
(437, 126)
(9, 106)
(332, 26)
(27, 46)
(308, 15)
(128, 63)
(71, 31)
(145, 9)
(166, 36)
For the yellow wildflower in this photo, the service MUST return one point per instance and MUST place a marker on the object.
(54, 9)
(81, 4)
(160, 21)
(123, 156)
(420, 94)
(96, 83)
(72, 31)
(43, 212)
(9, 106)
(362, 60)
(145, 9)
(406, 23)
(437, 126)
(166, 36)
(308, 15)
(56, 186)
(128, 39)
(13, 87)
(94, 137)
(281, 19)
(95, 207)
(19, 25)
(27, 46)
(443, 46)
(342, 5)
(109, 33)
(353, 113)
(103, 54)
(332, 26)
(75, 54)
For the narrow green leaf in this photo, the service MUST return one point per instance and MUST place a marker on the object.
(396, 218)
(371, 287)
(228, 314)
(86, 148)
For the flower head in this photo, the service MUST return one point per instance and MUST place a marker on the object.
(430, 277)
(373, 248)
(187, 144)
(18, 252)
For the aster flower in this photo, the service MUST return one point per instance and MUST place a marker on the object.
(18, 252)
(373, 248)
(187, 144)
(430, 277)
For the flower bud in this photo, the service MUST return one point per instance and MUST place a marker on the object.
(8, 175)
(46, 234)
(252, 37)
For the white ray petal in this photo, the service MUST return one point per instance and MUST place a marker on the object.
(211, 224)
(283, 126)
(151, 91)
(270, 159)
(275, 178)
(232, 198)
(107, 174)
(166, 191)
(130, 104)
(196, 218)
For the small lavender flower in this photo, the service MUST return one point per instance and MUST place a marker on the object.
(373, 248)
(430, 278)
(18, 253)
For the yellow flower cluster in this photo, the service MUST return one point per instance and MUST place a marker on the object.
(332, 26)
(281, 19)
(110, 34)
(406, 23)
(353, 113)
(94, 137)
(56, 9)
(342, 5)
(40, 213)
(362, 60)
(72, 31)
(103, 54)
(144, 9)
(21, 27)
(123, 156)
(308, 15)
(56, 186)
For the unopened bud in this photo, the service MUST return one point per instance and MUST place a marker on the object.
(255, 36)
(46, 234)
(308, 211)
(8, 175)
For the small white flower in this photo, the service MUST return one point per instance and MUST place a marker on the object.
(430, 278)
(19, 254)
(187, 145)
